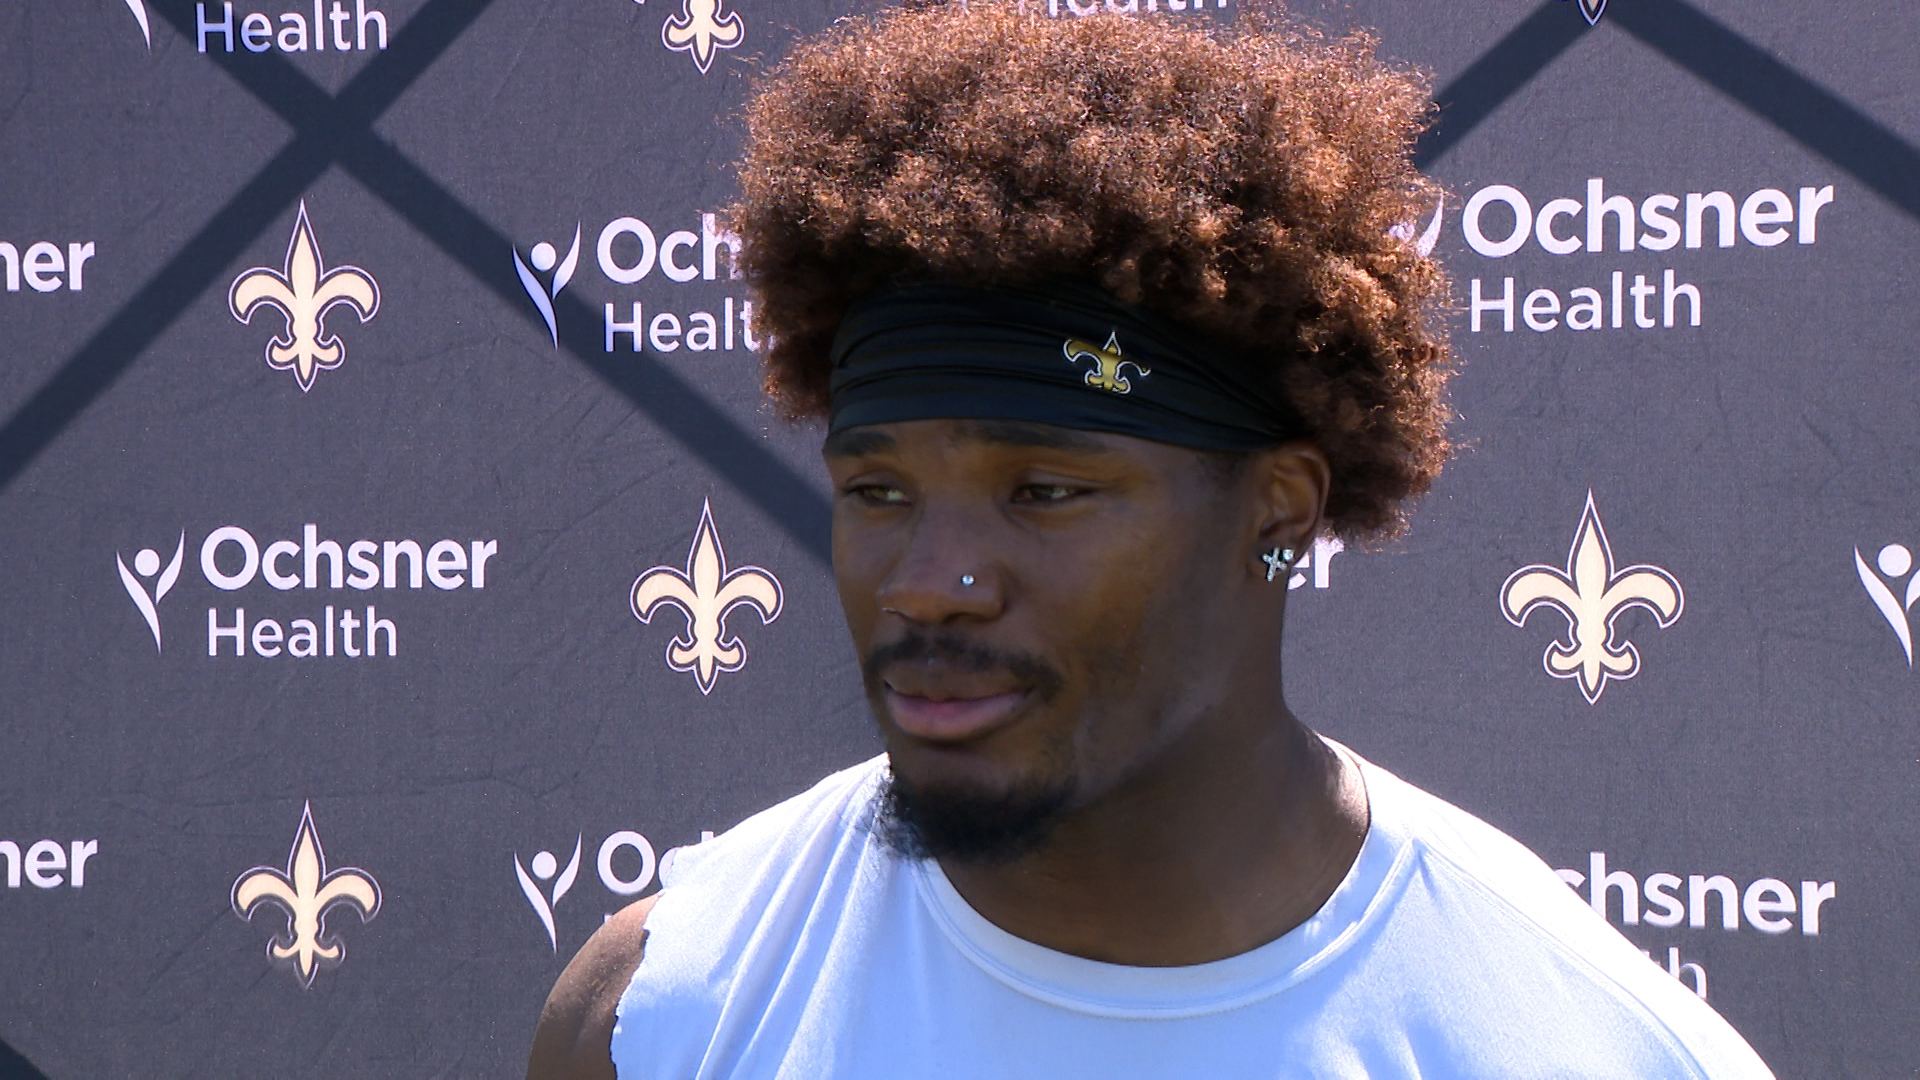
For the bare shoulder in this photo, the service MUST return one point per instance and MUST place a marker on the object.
(576, 1026)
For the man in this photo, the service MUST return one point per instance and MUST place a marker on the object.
(1109, 318)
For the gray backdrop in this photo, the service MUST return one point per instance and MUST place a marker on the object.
(1755, 738)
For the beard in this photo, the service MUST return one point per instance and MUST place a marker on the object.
(966, 825)
(970, 824)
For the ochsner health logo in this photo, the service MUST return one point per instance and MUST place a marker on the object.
(232, 559)
(146, 563)
(139, 10)
(623, 846)
(1429, 236)
(545, 866)
(1896, 562)
(544, 258)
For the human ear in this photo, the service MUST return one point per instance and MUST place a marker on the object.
(1289, 486)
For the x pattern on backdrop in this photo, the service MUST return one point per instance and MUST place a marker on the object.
(492, 690)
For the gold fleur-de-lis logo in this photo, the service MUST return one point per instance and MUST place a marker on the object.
(1591, 594)
(701, 29)
(1107, 362)
(706, 592)
(305, 892)
(303, 291)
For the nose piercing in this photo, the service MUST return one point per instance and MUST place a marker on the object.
(966, 580)
(1277, 560)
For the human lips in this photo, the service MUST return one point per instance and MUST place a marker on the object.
(949, 710)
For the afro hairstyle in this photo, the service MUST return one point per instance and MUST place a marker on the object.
(1250, 180)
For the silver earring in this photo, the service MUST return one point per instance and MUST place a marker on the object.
(1277, 560)
(966, 580)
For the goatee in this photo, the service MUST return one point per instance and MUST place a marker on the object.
(967, 826)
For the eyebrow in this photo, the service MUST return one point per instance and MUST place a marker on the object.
(1025, 434)
(1031, 434)
(856, 442)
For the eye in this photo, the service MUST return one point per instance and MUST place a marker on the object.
(878, 494)
(1045, 494)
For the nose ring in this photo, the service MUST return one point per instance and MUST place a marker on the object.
(966, 580)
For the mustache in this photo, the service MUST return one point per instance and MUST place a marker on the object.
(958, 653)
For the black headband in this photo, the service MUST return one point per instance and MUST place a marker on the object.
(1064, 354)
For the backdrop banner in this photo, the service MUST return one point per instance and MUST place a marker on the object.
(402, 565)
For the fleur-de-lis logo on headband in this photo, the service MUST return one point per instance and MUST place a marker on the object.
(706, 592)
(303, 291)
(1107, 363)
(1591, 594)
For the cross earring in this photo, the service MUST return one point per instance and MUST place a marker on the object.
(1277, 560)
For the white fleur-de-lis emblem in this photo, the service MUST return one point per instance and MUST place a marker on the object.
(305, 892)
(303, 291)
(706, 592)
(1591, 594)
(701, 29)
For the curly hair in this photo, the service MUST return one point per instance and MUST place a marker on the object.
(1253, 183)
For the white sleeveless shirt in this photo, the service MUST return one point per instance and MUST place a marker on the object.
(796, 946)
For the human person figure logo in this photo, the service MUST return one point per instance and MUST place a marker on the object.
(146, 563)
(1895, 561)
(1429, 237)
(544, 258)
(139, 9)
(545, 866)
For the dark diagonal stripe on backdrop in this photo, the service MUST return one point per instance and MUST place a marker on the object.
(1814, 116)
(157, 305)
(338, 130)
(15, 1066)
(1501, 71)
(656, 391)
(668, 400)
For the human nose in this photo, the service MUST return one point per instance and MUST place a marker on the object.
(944, 572)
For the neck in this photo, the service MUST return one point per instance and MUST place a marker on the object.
(1235, 835)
